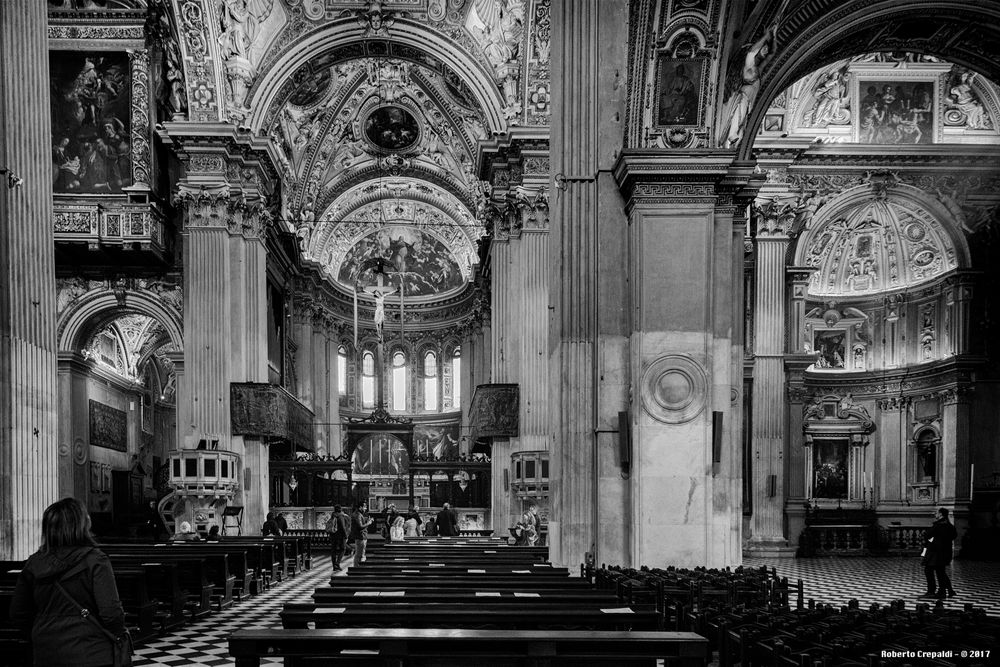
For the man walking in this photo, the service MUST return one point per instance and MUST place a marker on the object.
(937, 556)
(338, 526)
(359, 531)
(447, 522)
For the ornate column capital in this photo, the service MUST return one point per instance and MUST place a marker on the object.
(229, 176)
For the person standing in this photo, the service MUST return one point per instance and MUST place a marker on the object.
(270, 526)
(338, 526)
(66, 573)
(411, 527)
(359, 531)
(937, 555)
(447, 522)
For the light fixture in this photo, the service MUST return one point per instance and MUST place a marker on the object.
(13, 180)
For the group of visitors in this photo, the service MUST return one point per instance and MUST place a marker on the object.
(527, 530)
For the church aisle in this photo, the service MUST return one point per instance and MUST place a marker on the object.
(206, 642)
(882, 580)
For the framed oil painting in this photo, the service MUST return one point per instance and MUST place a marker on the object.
(830, 347)
(678, 91)
(895, 111)
(90, 100)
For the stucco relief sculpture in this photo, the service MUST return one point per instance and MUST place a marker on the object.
(674, 389)
(737, 107)
(963, 99)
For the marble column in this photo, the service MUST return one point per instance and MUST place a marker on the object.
(575, 47)
(29, 436)
(320, 379)
(224, 223)
(303, 335)
(767, 534)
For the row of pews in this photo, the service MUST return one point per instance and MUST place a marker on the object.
(454, 601)
(750, 617)
(164, 586)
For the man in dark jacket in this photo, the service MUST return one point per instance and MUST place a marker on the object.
(338, 527)
(938, 541)
(447, 521)
(59, 635)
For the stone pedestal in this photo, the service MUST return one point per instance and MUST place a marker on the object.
(29, 444)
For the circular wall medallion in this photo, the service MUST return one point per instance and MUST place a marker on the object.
(674, 389)
(392, 128)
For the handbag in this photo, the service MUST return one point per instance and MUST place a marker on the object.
(121, 646)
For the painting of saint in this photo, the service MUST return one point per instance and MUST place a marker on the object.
(439, 441)
(829, 469)
(425, 264)
(829, 347)
(678, 89)
(896, 112)
(90, 115)
(392, 128)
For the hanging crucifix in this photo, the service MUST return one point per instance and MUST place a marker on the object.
(378, 287)
(379, 290)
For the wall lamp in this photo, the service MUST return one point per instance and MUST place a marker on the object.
(13, 180)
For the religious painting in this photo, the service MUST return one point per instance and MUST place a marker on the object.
(830, 468)
(90, 101)
(896, 112)
(678, 90)
(108, 427)
(830, 348)
(381, 455)
(392, 128)
(438, 441)
(426, 265)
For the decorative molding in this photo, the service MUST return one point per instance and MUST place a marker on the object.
(674, 389)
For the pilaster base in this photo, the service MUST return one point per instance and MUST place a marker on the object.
(766, 549)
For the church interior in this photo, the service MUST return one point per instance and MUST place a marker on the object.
(688, 283)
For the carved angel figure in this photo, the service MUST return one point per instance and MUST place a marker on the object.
(964, 99)
(737, 108)
(240, 22)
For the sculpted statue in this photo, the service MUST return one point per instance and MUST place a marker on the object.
(737, 108)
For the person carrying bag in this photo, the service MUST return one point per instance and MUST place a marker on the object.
(122, 647)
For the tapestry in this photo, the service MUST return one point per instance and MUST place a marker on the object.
(108, 427)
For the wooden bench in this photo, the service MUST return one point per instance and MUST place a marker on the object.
(460, 648)
(445, 568)
(385, 595)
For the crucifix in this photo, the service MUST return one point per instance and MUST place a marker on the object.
(379, 290)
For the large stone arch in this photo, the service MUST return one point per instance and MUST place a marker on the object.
(95, 308)
(404, 33)
(820, 33)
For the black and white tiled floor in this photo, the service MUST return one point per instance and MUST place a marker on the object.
(829, 580)
(207, 641)
(882, 580)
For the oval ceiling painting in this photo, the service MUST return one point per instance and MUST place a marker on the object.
(427, 265)
(392, 128)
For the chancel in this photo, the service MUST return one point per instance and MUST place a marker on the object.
(580, 311)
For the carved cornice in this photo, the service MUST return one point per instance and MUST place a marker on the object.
(904, 382)
(707, 177)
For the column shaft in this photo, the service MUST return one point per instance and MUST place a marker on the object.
(29, 466)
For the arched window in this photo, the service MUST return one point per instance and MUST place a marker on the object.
(399, 382)
(430, 382)
(368, 380)
(341, 370)
(456, 377)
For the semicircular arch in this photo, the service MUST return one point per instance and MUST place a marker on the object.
(100, 307)
(826, 36)
(405, 33)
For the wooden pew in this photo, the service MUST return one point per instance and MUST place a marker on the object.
(469, 582)
(524, 616)
(458, 648)
(385, 595)
(215, 566)
(445, 568)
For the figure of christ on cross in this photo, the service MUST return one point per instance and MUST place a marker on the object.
(379, 290)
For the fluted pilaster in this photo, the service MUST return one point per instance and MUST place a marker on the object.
(28, 375)
(768, 466)
(572, 255)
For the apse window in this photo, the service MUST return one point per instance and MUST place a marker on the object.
(456, 375)
(430, 382)
(368, 380)
(342, 370)
(399, 382)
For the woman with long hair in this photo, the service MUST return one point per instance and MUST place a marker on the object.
(61, 632)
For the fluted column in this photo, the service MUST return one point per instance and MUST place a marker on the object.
(768, 432)
(332, 442)
(575, 48)
(29, 447)
(320, 374)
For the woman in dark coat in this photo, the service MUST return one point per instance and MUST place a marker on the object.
(938, 541)
(60, 635)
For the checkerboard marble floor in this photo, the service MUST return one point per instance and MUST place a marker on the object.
(882, 580)
(828, 580)
(207, 641)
